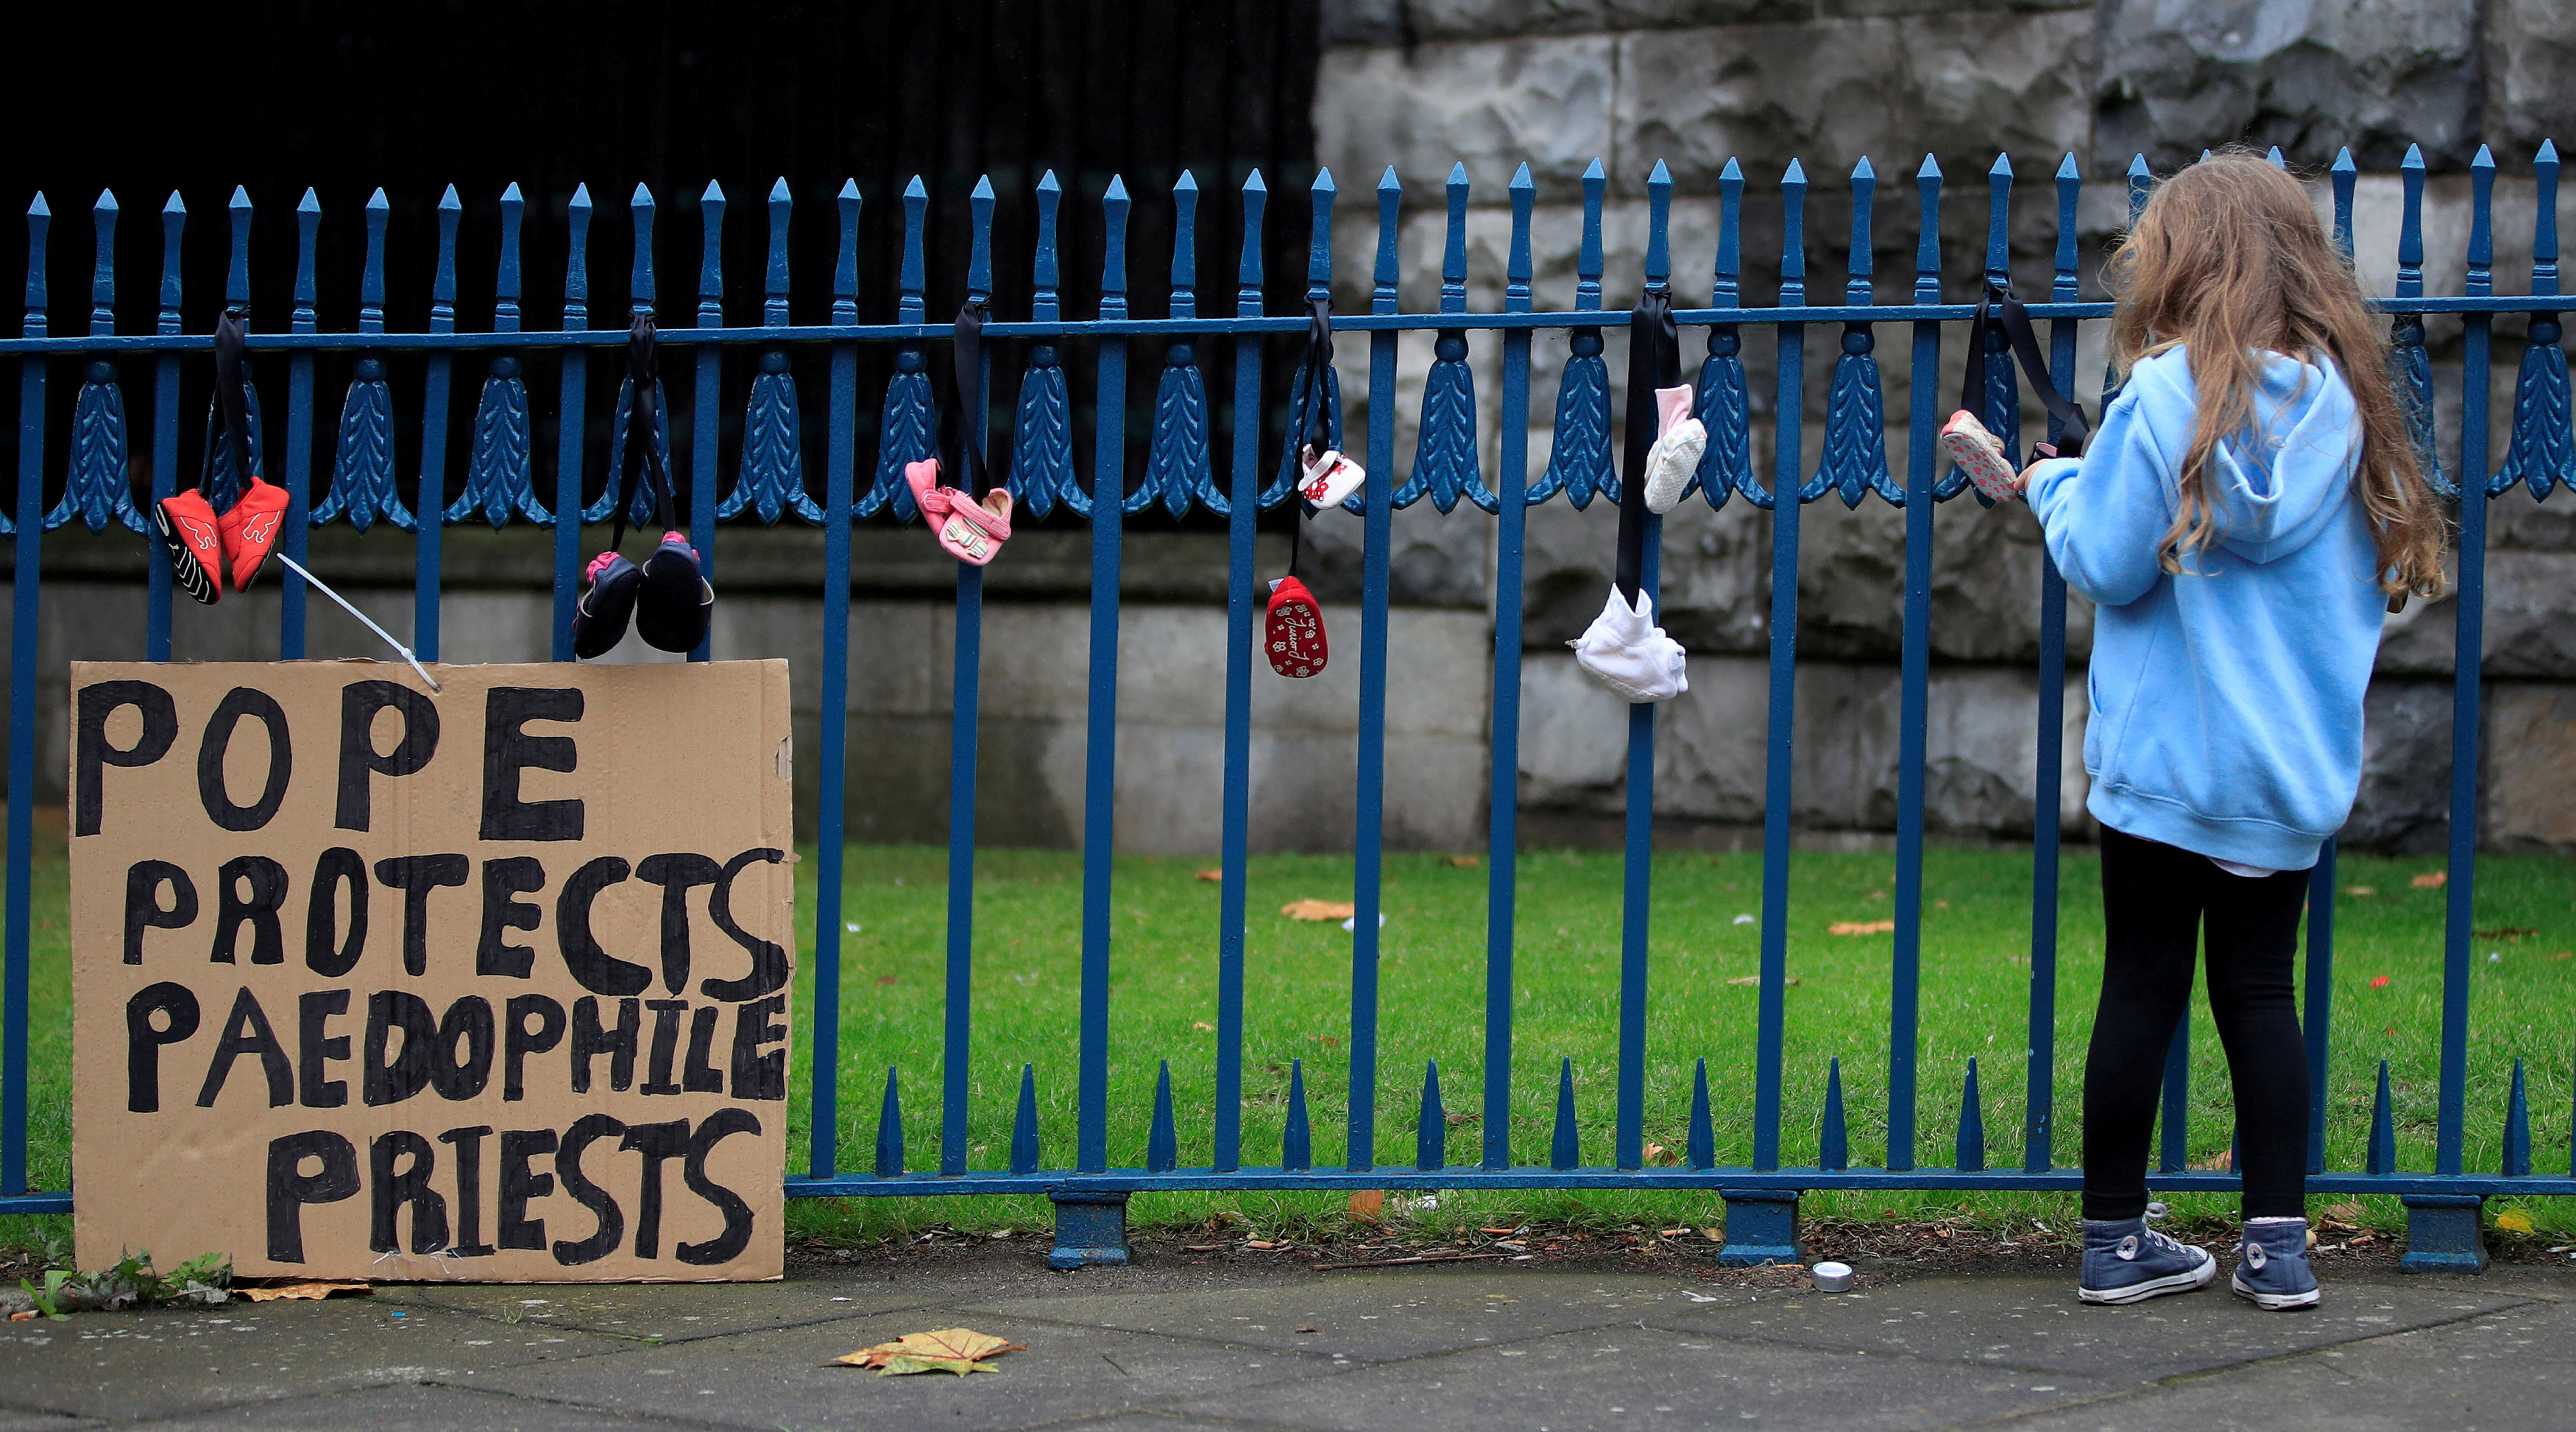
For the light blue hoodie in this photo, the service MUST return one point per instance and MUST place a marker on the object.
(2226, 700)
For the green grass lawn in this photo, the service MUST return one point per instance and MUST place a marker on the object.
(1975, 1001)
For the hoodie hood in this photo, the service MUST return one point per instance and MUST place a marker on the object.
(2281, 483)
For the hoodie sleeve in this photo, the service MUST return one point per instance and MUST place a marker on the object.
(2105, 514)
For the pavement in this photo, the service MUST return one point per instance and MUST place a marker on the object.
(1173, 1344)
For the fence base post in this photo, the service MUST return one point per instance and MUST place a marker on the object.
(1090, 1230)
(2444, 1233)
(1761, 1227)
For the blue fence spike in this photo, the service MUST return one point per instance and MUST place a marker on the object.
(500, 471)
(2002, 414)
(2275, 156)
(1176, 463)
(2382, 1156)
(362, 468)
(640, 508)
(908, 424)
(237, 278)
(1565, 1149)
(96, 489)
(1162, 1145)
(1855, 455)
(569, 435)
(40, 219)
(295, 474)
(2517, 1130)
(890, 1130)
(1503, 779)
(1042, 430)
(845, 272)
(1297, 1145)
(1240, 506)
(1431, 1130)
(2415, 366)
(1833, 1140)
(1319, 284)
(1579, 464)
(769, 478)
(640, 209)
(1782, 705)
(1724, 403)
(1024, 1125)
(2343, 173)
(1659, 246)
(2542, 451)
(1445, 460)
(223, 484)
(1972, 1126)
(711, 209)
(428, 556)
(1702, 1151)
(1923, 488)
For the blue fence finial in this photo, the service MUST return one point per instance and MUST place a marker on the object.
(1390, 205)
(237, 282)
(577, 212)
(909, 282)
(979, 262)
(102, 283)
(845, 273)
(711, 208)
(641, 208)
(1659, 214)
(1319, 242)
(174, 223)
(1256, 197)
(308, 225)
(1114, 205)
(1185, 243)
(371, 282)
(782, 205)
(2344, 173)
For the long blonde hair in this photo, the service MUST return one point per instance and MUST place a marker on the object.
(2228, 260)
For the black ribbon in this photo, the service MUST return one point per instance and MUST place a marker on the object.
(1654, 353)
(970, 397)
(1998, 310)
(643, 430)
(1319, 361)
(232, 408)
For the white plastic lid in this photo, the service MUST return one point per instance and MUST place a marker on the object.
(1831, 1277)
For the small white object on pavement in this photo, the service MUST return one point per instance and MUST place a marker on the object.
(1831, 1277)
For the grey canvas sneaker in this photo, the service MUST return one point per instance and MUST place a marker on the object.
(2125, 1261)
(2272, 1266)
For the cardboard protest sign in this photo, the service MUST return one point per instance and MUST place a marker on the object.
(485, 984)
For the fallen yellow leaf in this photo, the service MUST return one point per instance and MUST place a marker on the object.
(2361, 892)
(947, 1350)
(1789, 983)
(1466, 862)
(1368, 1203)
(1319, 910)
(2516, 1221)
(2431, 880)
(1861, 927)
(1203, 1024)
(313, 1291)
(1212, 876)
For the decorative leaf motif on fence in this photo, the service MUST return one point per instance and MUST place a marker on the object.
(362, 472)
(1579, 464)
(1042, 440)
(223, 485)
(2543, 450)
(771, 478)
(1726, 411)
(1444, 458)
(499, 475)
(639, 511)
(907, 432)
(2415, 394)
(96, 489)
(1855, 459)
(1176, 466)
(1286, 486)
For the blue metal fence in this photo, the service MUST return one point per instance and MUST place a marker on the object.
(1181, 473)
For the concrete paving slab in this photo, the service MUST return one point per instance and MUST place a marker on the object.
(2036, 1322)
(407, 1407)
(1630, 1378)
(157, 1364)
(1375, 1315)
(2506, 1370)
(772, 1379)
(665, 1312)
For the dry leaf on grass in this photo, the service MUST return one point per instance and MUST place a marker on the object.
(1203, 1024)
(2220, 1161)
(1466, 862)
(2344, 1212)
(2516, 1221)
(1212, 876)
(2507, 933)
(1319, 910)
(1368, 1203)
(1791, 982)
(955, 1350)
(2431, 880)
(1861, 927)
(313, 1291)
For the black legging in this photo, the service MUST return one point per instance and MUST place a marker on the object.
(2155, 902)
